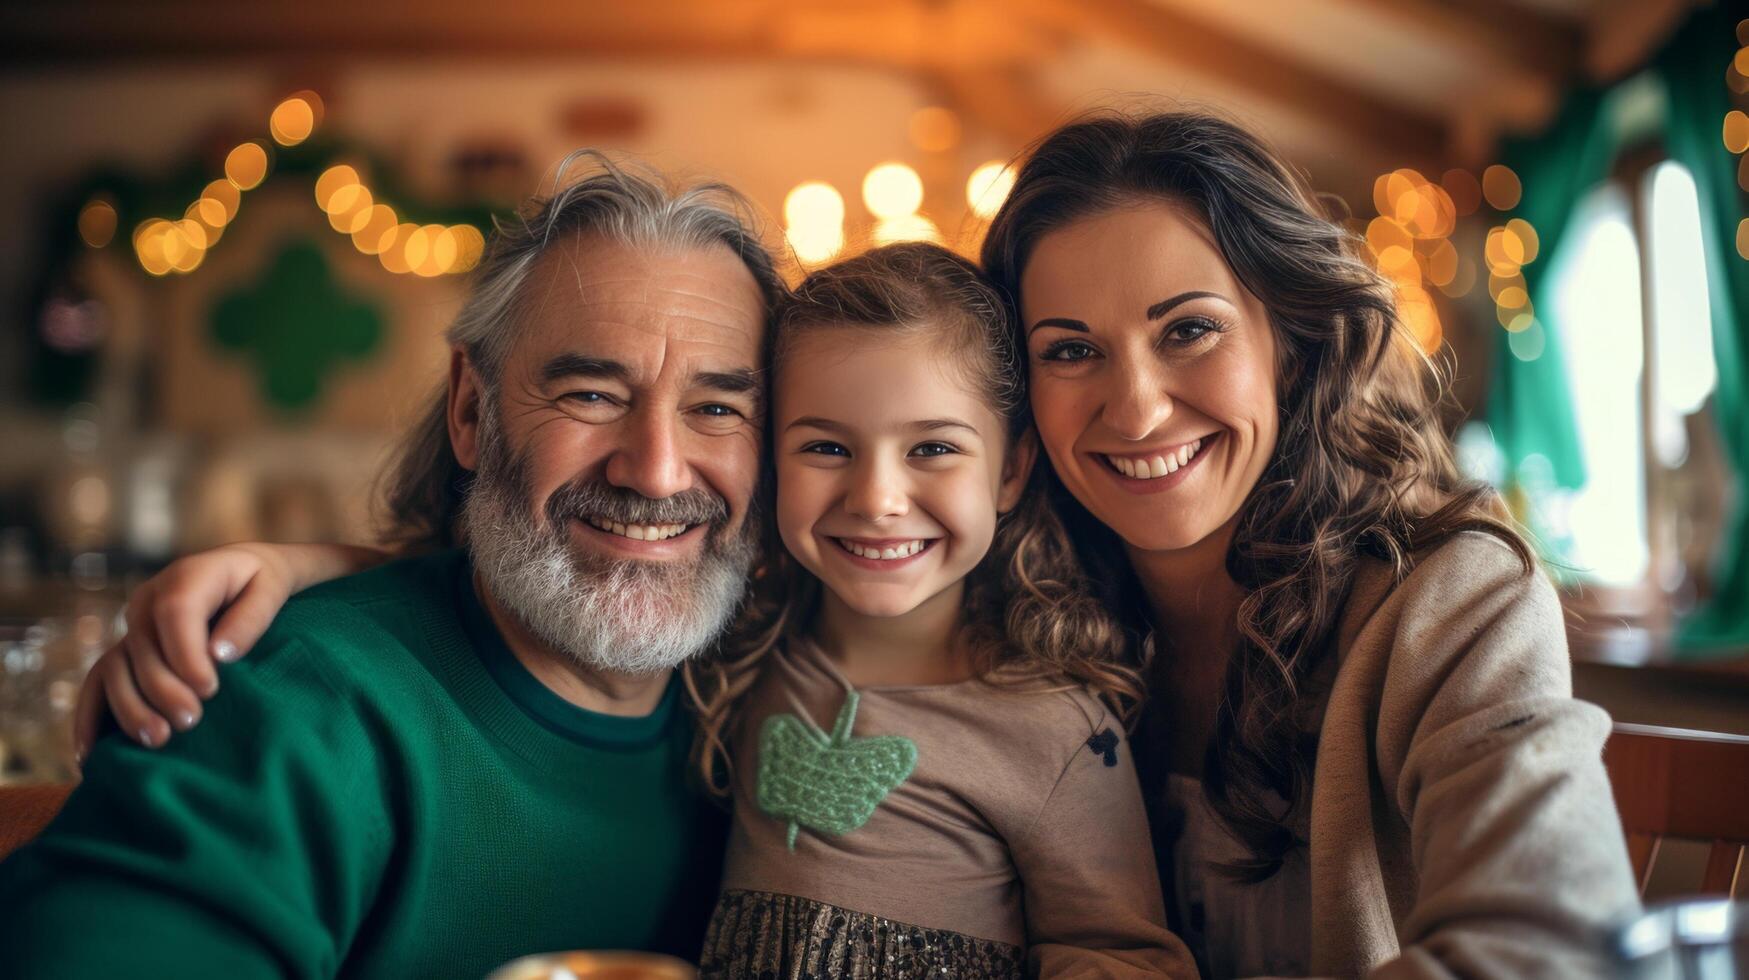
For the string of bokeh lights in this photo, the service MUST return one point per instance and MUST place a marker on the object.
(178, 246)
(1736, 128)
(814, 215)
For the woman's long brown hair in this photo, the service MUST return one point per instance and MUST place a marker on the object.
(1030, 614)
(1361, 468)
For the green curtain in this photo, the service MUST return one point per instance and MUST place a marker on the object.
(1693, 68)
(1530, 407)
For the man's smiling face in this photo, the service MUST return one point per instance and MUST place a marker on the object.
(620, 444)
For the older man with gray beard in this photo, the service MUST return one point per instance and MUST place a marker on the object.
(434, 766)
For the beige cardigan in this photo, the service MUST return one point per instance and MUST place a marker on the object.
(1461, 821)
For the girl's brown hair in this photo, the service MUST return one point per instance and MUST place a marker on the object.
(1030, 613)
(1361, 467)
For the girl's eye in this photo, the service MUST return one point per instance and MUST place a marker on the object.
(929, 450)
(825, 449)
(1068, 350)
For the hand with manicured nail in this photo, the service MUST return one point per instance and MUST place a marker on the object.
(155, 677)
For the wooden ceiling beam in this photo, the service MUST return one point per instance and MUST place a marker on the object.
(912, 34)
(1389, 128)
(1498, 35)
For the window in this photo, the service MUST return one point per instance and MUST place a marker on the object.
(1629, 294)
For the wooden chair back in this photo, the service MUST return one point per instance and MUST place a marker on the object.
(26, 810)
(1672, 783)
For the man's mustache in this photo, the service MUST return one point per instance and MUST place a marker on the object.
(604, 501)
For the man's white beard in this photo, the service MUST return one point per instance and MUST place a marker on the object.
(627, 616)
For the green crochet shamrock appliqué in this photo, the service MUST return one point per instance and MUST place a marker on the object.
(828, 783)
(296, 325)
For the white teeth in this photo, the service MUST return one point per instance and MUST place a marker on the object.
(1155, 467)
(639, 532)
(893, 553)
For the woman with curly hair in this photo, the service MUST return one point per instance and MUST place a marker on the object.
(1361, 749)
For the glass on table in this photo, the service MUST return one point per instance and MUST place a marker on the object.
(595, 965)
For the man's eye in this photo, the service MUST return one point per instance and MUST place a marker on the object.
(719, 411)
(825, 449)
(586, 397)
(932, 449)
(1068, 350)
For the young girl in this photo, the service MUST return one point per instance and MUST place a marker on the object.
(917, 718)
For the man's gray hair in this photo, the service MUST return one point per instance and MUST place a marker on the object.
(593, 194)
(625, 203)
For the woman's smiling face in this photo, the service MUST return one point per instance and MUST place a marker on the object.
(1153, 372)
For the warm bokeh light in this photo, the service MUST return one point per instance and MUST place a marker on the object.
(347, 205)
(1513, 298)
(331, 181)
(1735, 80)
(1503, 250)
(1442, 263)
(97, 221)
(1415, 308)
(1736, 131)
(470, 244)
(415, 247)
(1463, 189)
(371, 225)
(202, 213)
(208, 212)
(1741, 61)
(815, 244)
(892, 190)
(1515, 318)
(988, 187)
(1528, 242)
(1499, 284)
(393, 249)
(906, 228)
(935, 129)
(1390, 188)
(149, 246)
(246, 166)
(814, 204)
(439, 253)
(1400, 264)
(292, 121)
(1462, 281)
(228, 197)
(1427, 211)
(1743, 172)
(1743, 238)
(1501, 187)
(1384, 233)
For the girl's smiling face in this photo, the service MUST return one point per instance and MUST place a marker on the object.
(891, 469)
(1153, 373)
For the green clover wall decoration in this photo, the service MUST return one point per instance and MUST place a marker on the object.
(828, 783)
(296, 325)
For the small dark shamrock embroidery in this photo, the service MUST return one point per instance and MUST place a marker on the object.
(1105, 744)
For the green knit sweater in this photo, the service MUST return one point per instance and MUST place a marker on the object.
(379, 790)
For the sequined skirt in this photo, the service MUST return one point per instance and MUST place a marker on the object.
(783, 937)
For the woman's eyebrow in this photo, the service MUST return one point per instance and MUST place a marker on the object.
(1058, 321)
(1165, 306)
